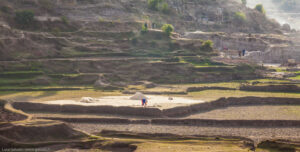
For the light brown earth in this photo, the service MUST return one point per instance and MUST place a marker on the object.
(252, 113)
(161, 102)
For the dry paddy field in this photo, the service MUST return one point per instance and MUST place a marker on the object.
(252, 113)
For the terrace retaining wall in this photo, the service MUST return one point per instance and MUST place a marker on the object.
(185, 122)
(155, 112)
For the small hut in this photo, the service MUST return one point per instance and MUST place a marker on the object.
(138, 96)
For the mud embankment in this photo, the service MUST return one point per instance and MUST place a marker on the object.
(186, 122)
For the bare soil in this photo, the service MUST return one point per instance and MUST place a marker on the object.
(252, 113)
(161, 102)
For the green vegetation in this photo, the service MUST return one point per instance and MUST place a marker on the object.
(20, 74)
(240, 17)
(260, 8)
(64, 19)
(295, 78)
(199, 61)
(144, 28)
(168, 29)
(207, 45)
(165, 8)
(24, 18)
(158, 5)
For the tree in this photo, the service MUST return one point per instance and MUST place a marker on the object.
(164, 8)
(208, 45)
(154, 4)
(240, 17)
(168, 29)
(260, 8)
(244, 2)
(158, 5)
(144, 28)
(24, 18)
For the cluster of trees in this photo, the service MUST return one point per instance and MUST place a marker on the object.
(168, 29)
(208, 45)
(158, 5)
(260, 8)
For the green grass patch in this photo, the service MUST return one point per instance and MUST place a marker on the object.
(20, 74)
(200, 62)
(295, 78)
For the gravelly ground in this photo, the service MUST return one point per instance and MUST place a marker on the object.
(257, 134)
(252, 113)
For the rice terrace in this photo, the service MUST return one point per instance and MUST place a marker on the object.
(150, 75)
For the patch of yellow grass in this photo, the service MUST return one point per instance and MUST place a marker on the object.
(191, 146)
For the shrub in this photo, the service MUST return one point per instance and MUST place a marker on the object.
(144, 28)
(260, 8)
(24, 18)
(168, 29)
(239, 17)
(164, 8)
(207, 45)
(64, 19)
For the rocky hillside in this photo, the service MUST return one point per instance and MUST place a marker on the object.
(99, 42)
(184, 14)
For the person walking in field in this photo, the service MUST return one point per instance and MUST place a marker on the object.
(244, 52)
(240, 53)
(144, 102)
